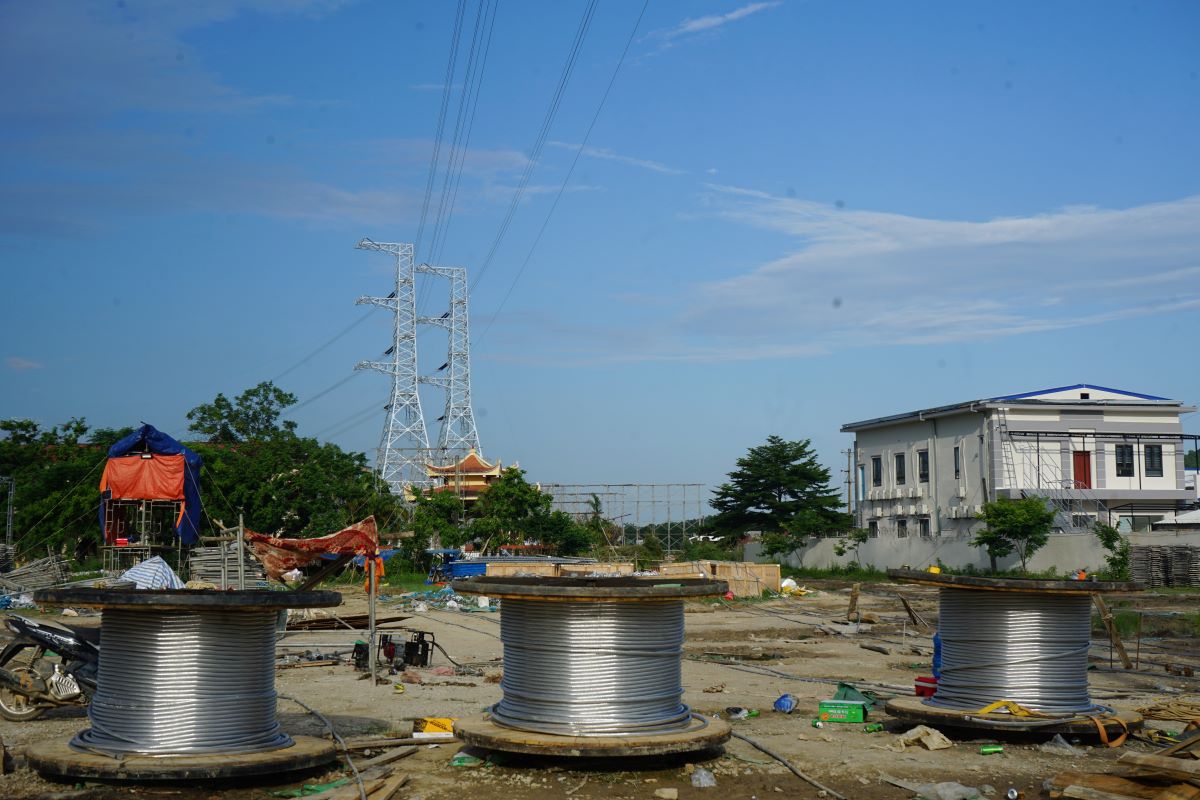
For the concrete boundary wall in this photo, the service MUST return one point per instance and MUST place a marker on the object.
(1064, 552)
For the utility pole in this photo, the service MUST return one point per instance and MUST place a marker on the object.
(849, 471)
(404, 446)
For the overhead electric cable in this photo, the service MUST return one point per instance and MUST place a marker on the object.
(330, 341)
(485, 20)
(447, 87)
(571, 171)
(540, 141)
(314, 398)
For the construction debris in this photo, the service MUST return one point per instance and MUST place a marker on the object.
(40, 574)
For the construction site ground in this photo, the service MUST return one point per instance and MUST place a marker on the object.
(759, 643)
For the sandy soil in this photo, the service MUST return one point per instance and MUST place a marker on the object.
(780, 635)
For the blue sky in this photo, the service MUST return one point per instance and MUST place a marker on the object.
(789, 215)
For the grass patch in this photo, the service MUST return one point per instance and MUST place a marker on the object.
(856, 573)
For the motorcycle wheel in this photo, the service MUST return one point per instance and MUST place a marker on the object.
(17, 707)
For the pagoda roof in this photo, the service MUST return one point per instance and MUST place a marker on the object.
(471, 463)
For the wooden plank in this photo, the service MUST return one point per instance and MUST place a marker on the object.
(323, 573)
(390, 788)
(302, 664)
(1107, 620)
(502, 569)
(1102, 782)
(356, 743)
(386, 758)
(1176, 768)
(916, 618)
(1180, 791)
(1084, 793)
(852, 608)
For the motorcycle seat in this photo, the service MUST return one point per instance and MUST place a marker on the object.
(83, 633)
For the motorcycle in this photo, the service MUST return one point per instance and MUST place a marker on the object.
(59, 667)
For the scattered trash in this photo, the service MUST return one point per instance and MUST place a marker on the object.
(462, 759)
(816, 723)
(703, 779)
(408, 676)
(70, 612)
(1059, 746)
(311, 788)
(433, 727)
(948, 790)
(717, 689)
(292, 576)
(874, 727)
(667, 794)
(786, 703)
(923, 735)
(482, 602)
(991, 749)
(398, 688)
(842, 711)
(737, 712)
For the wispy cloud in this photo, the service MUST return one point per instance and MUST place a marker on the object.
(608, 155)
(855, 279)
(699, 24)
(19, 364)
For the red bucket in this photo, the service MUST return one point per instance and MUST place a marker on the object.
(925, 686)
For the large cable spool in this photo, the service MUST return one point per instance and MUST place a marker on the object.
(1030, 648)
(185, 687)
(594, 660)
(1019, 640)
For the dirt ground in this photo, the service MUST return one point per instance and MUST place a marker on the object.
(783, 636)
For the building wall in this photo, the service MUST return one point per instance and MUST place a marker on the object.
(1064, 552)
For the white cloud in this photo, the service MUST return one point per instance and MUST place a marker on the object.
(21, 364)
(608, 155)
(692, 26)
(858, 278)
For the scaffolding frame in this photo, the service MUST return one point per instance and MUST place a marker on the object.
(675, 511)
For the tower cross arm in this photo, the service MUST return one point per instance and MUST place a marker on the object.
(383, 302)
(382, 366)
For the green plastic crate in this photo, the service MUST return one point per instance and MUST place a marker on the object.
(842, 711)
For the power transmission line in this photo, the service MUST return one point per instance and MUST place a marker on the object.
(540, 141)
(327, 343)
(571, 171)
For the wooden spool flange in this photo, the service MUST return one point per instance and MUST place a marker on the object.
(701, 734)
(913, 710)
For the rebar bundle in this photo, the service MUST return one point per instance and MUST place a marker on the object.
(592, 668)
(40, 574)
(219, 566)
(1029, 648)
(176, 682)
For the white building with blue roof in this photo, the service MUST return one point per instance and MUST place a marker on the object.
(920, 478)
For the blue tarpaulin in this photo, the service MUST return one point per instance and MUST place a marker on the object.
(151, 439)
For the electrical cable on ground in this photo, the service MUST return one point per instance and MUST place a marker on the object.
(362, 790)
(794, 770)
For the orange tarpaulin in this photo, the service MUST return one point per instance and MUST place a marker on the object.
(282, 555)
(137, 478)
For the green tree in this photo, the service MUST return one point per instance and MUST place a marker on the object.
(1021, 526)
(781, 489)
(253, 416)
(1119, 551)
(504, 512)
(56, 473)
(438, 518)
(1192, 460)
(852, 541)
(558, 530)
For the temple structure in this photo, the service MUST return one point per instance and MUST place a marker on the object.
(468, 478)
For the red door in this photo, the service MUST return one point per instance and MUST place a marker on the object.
(1083, 469)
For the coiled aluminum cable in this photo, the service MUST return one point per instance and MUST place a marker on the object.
(1029, 648)
(184, 682)
(598, 668)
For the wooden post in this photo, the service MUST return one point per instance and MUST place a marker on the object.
(373, 644)
(241, 553)
(1106, 619)
(852, 609)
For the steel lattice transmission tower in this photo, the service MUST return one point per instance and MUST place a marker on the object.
(458, 435)
(404, 447)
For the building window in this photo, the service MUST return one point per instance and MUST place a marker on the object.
(901, 529)
(923, 527)
(872, 530)
(899, 469)
(923, 466)
(1154, 467)
(957, 462)
(876, 470)
(861, 488)
(1124, 461)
